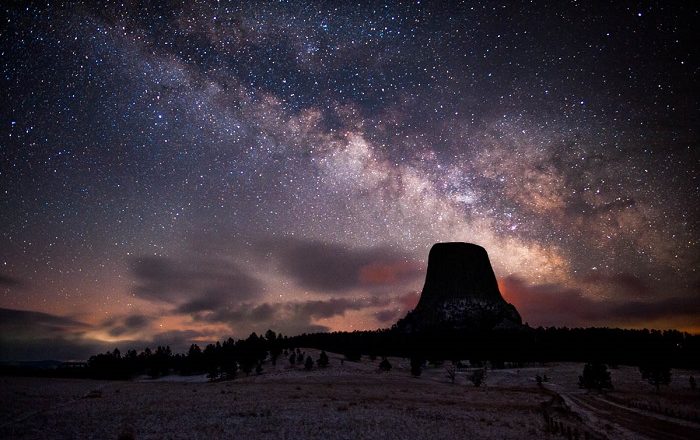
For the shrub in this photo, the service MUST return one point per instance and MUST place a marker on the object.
(385, 365)
(451, 371)
(416, 366)
(353, 355)
(322, 360)
(657, 373)
(595, 376)
(477, 377)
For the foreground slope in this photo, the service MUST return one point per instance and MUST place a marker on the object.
(344, 401)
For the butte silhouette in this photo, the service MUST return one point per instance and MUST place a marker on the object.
(460, 293)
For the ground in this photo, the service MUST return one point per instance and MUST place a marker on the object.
(350, 401)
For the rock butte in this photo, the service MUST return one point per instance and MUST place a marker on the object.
(460, 293)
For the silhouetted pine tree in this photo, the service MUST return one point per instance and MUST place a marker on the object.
(595, 376)
(416, 366)
(385, 365)
(477, 377)
(353, 355)
(273, 346)
(451, 371)
(657, 373)
(309, 364)
(322, 360)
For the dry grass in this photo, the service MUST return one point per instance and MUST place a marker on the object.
(352, 401)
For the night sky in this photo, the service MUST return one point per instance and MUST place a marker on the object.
(183, 173)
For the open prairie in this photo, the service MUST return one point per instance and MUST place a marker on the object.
(351, 401)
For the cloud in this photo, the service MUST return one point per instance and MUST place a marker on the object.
(409, 300)
(9, 281)
(195, 284)
(387, 315)
(28, 335)
(626, 284)
(289, 317)
(664, 308)
(332, 307)
(25, 322)
(556, 305)
(178, 340)
(551, 304)
(50, 348)
(207, 302)
(127, 324)
(334, 268)
(295, 310)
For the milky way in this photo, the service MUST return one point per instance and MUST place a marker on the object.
(187, 172)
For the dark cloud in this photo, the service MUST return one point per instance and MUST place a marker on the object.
(243, 313)
(118, 331)
(288, 317)
(663, 308)
(50, 348)
(388, 315)
(552, 304)
(178, 340)
(333, 306)
(28, 335)
(333, 268)
(305, 310)
(136, 321)
(128, 324)
(624, 284)
(195, 284)
(9, 281)
(208, 302)
(409, 300)
(18, 322)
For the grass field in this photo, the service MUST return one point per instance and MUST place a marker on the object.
(348, 401)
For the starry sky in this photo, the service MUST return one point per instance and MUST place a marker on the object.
(178, 172)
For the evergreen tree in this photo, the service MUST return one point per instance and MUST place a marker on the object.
(385, 365)
(322, 360)
(193, 360)
(595, 376)
(657, 373)
(309, 364)
(477, 377)
(273, 344)
(451, 371)
(353, 355)
(416, 366)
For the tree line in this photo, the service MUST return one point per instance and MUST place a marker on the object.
(230, 358)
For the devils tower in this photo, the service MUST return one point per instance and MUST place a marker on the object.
(460, 293)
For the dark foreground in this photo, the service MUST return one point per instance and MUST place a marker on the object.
(350, 401)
